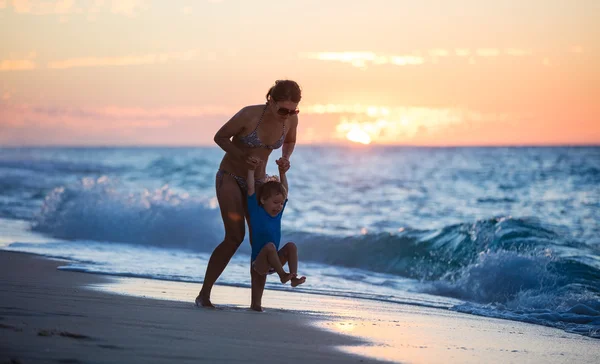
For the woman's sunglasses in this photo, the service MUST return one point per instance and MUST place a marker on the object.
(285, 111)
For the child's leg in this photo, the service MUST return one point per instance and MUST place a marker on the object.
(268, 258)
(289, 254)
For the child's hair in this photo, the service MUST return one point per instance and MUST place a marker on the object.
(271, 188)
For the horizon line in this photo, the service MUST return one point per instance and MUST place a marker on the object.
(348, 145)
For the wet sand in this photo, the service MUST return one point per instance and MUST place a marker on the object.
(55, 316)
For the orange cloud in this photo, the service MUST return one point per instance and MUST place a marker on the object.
(362, 59)
(21, 6)
(173, 113)
(112, 112)
(392, 125)
(487, 52)
(444, 126)
(128, 7)
(16, 65)
(123, 61)
(65, 7)
(27, 63)
(43, 7)
(438, 53)
(24, 124)
(518, 52)
(103, 117)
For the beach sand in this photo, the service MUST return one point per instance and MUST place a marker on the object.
(56, 316)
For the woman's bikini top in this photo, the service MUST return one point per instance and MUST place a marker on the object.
(253, 141)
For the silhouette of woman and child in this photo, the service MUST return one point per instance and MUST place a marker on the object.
(246, 194)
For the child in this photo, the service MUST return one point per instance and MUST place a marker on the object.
(265, 228)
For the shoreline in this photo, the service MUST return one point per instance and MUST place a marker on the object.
(145, 320)
(48, 315)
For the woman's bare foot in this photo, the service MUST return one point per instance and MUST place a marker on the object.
(297, 281)
(204, 302)
(286, 277)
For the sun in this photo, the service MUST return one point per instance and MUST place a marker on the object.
(357, 135)
(354, 131)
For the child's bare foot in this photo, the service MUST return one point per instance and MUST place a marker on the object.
(204, 302)
(297, 281)
(286, 277)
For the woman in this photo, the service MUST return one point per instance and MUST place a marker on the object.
(248, 138)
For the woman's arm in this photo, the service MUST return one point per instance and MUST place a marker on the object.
(233, 127)
(288, 146)
(283, 179)
(290, 140)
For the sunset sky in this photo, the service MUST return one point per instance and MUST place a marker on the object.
(435, 73)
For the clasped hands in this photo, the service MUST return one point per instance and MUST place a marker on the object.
(282, 163)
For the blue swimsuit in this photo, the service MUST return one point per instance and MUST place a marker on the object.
(264, 227)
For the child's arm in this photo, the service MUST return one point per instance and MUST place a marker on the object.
(250, 182)
(283, 179)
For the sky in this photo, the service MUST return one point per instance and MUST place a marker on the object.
(379, 72)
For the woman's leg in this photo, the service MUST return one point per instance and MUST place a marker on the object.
(231, 203)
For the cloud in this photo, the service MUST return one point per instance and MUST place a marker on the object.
(390, 125)
(487, 52)
(117, 113)
(43, 7)
(128, 7)
(26, 124)
(66, 7)
(518, 52)
(152, 58)
(103, 117)
(28, 63)
(16, 65)
(21, 6)
(438, 53)
(362, 59)
(63, 6)
(167, 113)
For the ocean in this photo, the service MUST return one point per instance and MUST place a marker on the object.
(510, 233)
